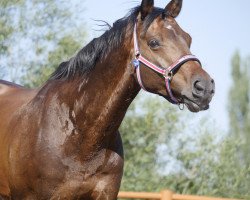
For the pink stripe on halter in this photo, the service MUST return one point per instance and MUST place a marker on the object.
(166, 72)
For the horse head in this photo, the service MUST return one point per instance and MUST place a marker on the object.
(163, 60)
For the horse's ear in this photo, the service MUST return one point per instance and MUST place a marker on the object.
(173, 8)
(146, 8)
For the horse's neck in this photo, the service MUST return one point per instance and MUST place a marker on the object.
(99, 101)
(109, 91)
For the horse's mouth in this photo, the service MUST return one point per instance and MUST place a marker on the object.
(193, 106)
(190, 104)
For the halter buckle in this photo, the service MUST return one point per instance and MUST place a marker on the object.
(136, 63)
(168, 75)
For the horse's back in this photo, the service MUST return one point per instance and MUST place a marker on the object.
(14, 93)
(6, 86)
(12, 98)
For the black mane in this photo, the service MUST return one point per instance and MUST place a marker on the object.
(99, 48)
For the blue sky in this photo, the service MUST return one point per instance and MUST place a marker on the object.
(218, 29)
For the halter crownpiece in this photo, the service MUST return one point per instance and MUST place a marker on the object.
(167, 73)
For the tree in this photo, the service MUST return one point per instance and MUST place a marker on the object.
(40, 28)
(161, 151)
(210, 166)
(6, 8)
(36, 76)
(239, 105)
(148, 123)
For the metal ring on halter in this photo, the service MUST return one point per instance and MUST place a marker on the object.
(137, 54)
(181, 106)
(168, 74)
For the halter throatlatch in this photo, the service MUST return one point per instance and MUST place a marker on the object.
(167, 73)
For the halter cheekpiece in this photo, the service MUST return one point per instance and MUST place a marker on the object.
(167, 73)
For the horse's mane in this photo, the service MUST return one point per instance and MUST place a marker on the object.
(99, 48)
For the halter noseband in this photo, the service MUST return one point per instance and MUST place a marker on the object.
(167, 73)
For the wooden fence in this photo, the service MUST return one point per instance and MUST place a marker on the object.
(164, 195)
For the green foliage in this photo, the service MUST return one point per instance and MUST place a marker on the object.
(66, 47)
(155, 135)
(239, 106)
(211, 168)
(34, 31)
(144, 128)
(6, 29)
(234, 178)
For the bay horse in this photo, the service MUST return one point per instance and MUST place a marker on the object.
(61, 141)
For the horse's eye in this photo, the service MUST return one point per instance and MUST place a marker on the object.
(154, 44)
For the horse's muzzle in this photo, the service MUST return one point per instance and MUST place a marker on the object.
(202, 92)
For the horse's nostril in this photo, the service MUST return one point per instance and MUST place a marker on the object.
(199, 86)
(203, 88)
(213, 87)
(198, 89)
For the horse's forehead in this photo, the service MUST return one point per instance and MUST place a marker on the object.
(170, 24)
(160, 25)
(156, 25)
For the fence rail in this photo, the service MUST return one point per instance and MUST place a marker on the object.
(164, 195)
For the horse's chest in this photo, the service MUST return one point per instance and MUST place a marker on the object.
(102, 163)
(99, 176)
